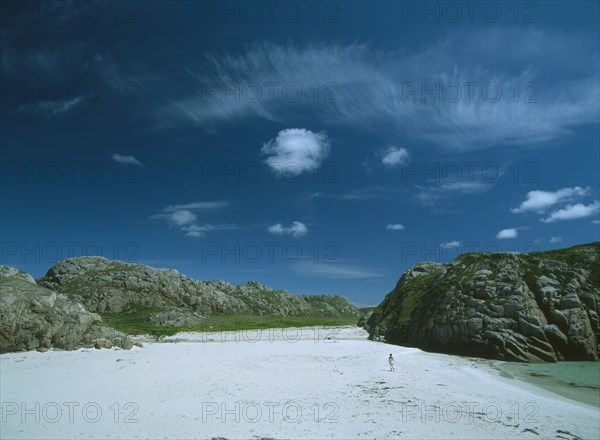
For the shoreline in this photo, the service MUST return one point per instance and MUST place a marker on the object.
(588, 395)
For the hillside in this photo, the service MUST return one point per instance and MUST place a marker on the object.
(107, 297)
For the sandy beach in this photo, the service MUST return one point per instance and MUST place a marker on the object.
(295, 383)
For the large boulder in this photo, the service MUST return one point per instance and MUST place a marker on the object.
(34, 317)
(538, 307)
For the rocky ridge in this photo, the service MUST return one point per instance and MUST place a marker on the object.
(62, 308)
(104, 285)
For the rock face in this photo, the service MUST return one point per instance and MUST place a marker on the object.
(103, 285)
(33, 317)
(538, 307)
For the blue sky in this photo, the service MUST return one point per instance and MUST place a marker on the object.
(314, 147)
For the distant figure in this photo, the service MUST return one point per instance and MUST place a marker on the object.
(391, 361)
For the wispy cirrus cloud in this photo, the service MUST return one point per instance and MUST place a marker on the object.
(374, 88)
(367, 193)
(360, 194)
(356, 195)
(296, 229)
(52, 108)
(184, 217)
(394, 227)
(451, 244)
(433, 194)
(199, 206)
(335, 271)
(126, 160)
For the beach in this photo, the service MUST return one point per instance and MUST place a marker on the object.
(293, 383)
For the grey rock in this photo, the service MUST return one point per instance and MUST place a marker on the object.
(549, 292)
(482, 273)
(35, 318)
(544, 281)
(560, 319)
(539, 307)
(512, 307)
(557, 337)
(496, 310)
(528, 329)
(570, 301)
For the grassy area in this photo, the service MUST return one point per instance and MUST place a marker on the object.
(416, 289)
(137, 322)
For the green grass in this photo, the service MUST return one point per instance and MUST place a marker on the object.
(137, 323)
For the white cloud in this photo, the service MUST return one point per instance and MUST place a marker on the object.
(596, 222)
(394, 156)
(198, 206)
(197, 230)
(296, 150)
(451, 244)
(433, 195)
(296, 229)
(335, 271)
(184, 217)
(572, 212)
(395, 227)
(507, 233)
(556, 239)
(539, 201)
(126, 160)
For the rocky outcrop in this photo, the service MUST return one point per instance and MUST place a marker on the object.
(62, 309)
(365, 314)
(104, 285)
(33, 317)
(539, 307)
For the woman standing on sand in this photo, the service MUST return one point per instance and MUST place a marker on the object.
(391, 361)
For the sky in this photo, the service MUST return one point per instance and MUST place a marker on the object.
(317, 147)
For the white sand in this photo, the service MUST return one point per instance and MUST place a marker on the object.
(279, 387)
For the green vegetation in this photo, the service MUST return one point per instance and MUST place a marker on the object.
(416, 289)
(136, 322)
